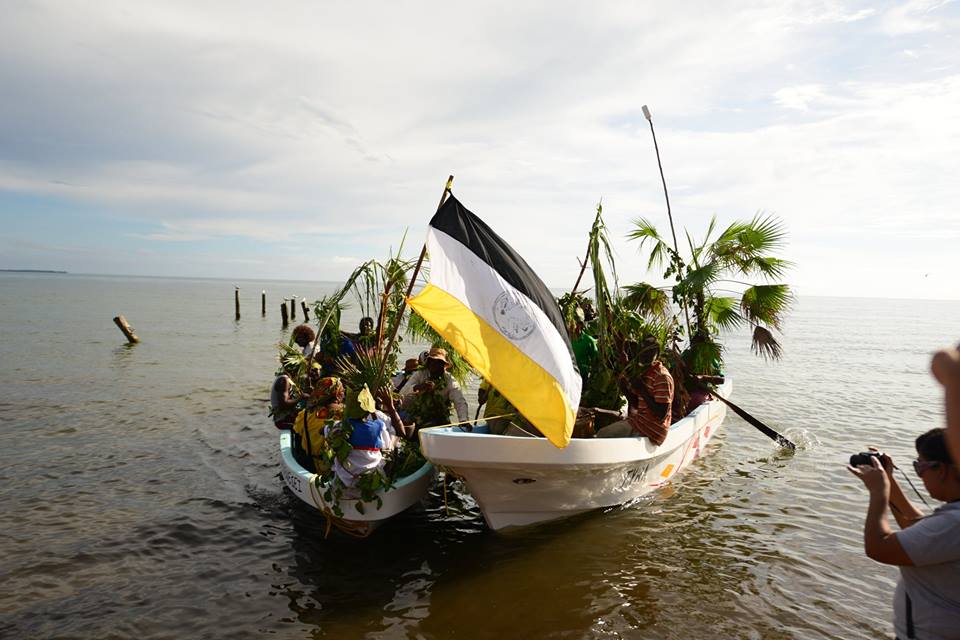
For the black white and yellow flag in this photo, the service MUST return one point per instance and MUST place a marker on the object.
(487, 302)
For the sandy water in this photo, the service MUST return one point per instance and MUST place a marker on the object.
(141, 499)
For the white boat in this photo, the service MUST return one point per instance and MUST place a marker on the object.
(405, 492)
(520, 481)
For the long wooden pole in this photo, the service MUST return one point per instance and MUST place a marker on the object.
(413, 279)
(673, 232)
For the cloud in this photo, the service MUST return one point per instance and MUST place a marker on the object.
(325, 130)
(913, 16)
(799, 97)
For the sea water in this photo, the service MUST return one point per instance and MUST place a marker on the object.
(141, 498)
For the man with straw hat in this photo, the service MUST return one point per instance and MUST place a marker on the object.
(428, 394)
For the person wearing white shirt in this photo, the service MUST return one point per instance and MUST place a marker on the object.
(429, 392)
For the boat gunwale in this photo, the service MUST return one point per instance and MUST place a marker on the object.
(492, 450)
(286, 451)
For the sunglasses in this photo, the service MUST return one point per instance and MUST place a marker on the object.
(922, 465)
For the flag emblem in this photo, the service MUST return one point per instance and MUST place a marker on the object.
(511, 316)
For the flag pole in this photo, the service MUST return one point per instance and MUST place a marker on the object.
(676, 248)
(413, 279)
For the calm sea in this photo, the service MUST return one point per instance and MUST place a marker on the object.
(141, 499)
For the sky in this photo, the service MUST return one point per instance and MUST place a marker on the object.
(293, 140)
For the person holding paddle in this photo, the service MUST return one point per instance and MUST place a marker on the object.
(649, 398)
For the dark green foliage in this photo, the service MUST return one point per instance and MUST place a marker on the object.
(738, 252)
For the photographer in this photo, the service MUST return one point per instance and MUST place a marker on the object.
(927, 549)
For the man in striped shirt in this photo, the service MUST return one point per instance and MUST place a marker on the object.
(649, 399)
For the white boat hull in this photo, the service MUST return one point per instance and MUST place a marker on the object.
(519, 481)
(405, 493)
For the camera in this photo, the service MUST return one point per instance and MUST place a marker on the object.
(863, 457)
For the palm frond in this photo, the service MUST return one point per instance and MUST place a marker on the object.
(645, 232)
(599, 253)
(722, 312)
(742, 242)
(766, 303)
(710, 229)
(704, 357)
(647, 300)
(766, 266)
(765, 345)
(700, 278)
(365, 368)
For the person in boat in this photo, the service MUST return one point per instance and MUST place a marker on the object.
(946, 369)
(304, 337)
(649, 397)
(334, 346)
(927, 548)
(430, 391)
(284, 397)
(585, 349)
(400, 380)
(497, 410)
(371, 432)
(366, 339)
(324, 407)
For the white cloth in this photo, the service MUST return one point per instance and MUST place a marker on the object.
(360, 461)
(933, 583)
(398, 378)
(451, 391)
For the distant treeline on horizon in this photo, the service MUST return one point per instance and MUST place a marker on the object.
(31, 271)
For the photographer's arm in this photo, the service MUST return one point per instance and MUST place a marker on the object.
(879, 541)
(903, 510)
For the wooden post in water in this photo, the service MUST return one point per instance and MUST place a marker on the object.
(263, 303)
(283, 313)
(306, 313)
(236, 301)
(293, 309)
(124, 326)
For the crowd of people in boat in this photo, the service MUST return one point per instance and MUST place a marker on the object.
(654, 400)
(425, 394)
(422, 394)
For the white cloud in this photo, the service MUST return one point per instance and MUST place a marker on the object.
(330, 128)
(913, 16)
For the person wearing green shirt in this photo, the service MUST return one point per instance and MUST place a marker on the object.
(584, 345)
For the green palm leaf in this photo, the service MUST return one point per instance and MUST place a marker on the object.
(647, 300)
(645, 232)
(722, 311)
(765, 303)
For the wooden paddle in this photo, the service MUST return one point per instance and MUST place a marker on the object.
(764, 429)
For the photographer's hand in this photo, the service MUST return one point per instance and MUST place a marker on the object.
(903, 510)
(879, 541)
(885, 461)
(874, 478)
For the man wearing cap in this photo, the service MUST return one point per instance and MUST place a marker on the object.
(428, 394)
